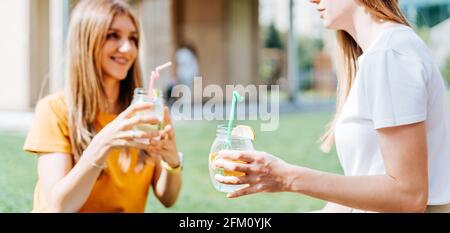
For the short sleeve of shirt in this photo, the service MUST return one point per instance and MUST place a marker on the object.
(49, 130)
(395, 88)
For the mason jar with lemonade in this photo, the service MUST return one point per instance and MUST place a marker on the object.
(241, 139)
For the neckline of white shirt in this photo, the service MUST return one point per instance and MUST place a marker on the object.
(378, 39)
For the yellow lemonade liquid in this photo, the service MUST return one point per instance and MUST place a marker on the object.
(157, 111)
(141, 96)
(148, 127)
(225, 172)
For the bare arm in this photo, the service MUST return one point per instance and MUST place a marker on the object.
(66, 188)
(404, 187)
(166, 185)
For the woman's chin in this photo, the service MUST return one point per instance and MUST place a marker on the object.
(327, 24)
(121, 78)
(117, 77)
(331, 25)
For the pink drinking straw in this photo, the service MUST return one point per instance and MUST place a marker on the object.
(163, 66)
(155, 76)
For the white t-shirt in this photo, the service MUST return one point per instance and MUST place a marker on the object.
(397, 83)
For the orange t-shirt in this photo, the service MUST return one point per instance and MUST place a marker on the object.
(117, 189)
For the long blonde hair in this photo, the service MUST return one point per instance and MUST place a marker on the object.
(85, 94)
(386, 10)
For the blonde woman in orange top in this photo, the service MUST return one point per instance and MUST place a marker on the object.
(88, 158)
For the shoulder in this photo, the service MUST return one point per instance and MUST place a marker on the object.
(400, 49)
(400, 61)
(49, 131)
(403, 42)
(56, 101)
(53, 104)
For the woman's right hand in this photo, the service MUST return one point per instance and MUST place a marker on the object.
(120, 133)
(263, 172)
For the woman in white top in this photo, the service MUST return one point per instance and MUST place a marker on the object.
(391, 129)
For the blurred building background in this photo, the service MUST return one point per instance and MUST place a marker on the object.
(223, 33)
(235, 42)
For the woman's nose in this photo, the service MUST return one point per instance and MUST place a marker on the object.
(125, 46)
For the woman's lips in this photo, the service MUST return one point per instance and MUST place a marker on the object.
(120, 60)
(321, 12)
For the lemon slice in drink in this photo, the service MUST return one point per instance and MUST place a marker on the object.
(244, 131)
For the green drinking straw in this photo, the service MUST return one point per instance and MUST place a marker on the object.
(236, 97)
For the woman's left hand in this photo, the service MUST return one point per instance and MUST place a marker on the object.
(165, 145)
(263, 172)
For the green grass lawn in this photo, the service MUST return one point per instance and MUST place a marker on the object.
(294, 141)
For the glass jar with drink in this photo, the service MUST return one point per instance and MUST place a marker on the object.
(241, 140)
(141, 95)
